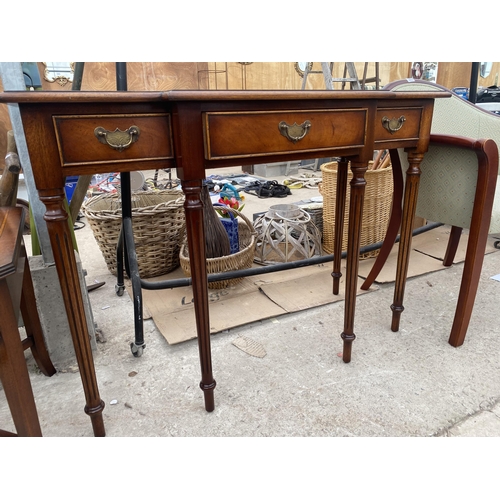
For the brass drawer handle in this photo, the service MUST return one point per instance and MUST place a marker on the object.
(394, 124)
(294, 132)
(119, 139)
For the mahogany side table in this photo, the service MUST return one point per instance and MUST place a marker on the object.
(83, 133)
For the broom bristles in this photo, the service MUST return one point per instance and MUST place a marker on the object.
(216, 237)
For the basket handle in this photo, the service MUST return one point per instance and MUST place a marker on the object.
(237, 213)
(224, 206)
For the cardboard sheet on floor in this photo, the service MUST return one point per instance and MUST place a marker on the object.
(255, 298)
(310, 288)
(428, 250)
(273, 294)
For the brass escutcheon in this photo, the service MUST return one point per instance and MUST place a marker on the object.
(294, 132)
(119, 139)
(394, 124)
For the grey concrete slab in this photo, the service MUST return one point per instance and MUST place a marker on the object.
(52, 313)
(406, 384)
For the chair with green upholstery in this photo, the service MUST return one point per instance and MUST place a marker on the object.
(452, 188)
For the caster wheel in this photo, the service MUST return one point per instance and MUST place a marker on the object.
(119, 289)
(137, 350)
(496, 244)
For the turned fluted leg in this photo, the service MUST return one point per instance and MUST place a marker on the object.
(64, 257)
(196, 244)
(409, 208)
(340, 198)
(358, 184)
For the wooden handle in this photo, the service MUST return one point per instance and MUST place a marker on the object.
(11, 142)
(377, 159)
(10, 177)
(385, 162)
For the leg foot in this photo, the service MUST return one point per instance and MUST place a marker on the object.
(336, 281)
(208, 393)
(396, 316)
(348, 340)
(96, 419)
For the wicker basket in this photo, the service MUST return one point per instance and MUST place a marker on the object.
(376, 208)
(234, 262)
(158, 223)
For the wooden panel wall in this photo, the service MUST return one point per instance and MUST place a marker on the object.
(281, 75)
(140, 76)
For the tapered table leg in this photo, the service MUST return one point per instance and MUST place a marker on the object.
(409, 208)
(358, 184)
(340, 200)
(64, 257)
(196, 244)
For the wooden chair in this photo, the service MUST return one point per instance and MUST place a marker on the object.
(454, 116)
(457, 187)
(15, 283)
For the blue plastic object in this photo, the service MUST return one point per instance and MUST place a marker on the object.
(70, 186)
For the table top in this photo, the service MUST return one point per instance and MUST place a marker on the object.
(210, 95)
(228, 127)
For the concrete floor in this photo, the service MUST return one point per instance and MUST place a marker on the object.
(410, 383)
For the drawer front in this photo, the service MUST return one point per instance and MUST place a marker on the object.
(244, 134)
(396, 124)
(96, 139)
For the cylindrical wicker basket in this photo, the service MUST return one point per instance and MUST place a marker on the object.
(376, 208)
(158, 224)
(233, 262)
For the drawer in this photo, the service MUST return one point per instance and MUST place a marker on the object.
(244, 134)
(86, 139)
(403, 123)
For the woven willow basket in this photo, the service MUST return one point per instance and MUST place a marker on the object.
(234, 262)
(376, 208)
(158, 224)
(286, 233)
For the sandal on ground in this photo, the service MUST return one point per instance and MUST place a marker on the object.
(273, 189)
(281, 191)
(266, 190)
(293, 184)
(253, 188)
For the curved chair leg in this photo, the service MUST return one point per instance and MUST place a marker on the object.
(394, 221)
(467, 294)
(34, 340)
(478, 237)
(14, 374)
(452, 247)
